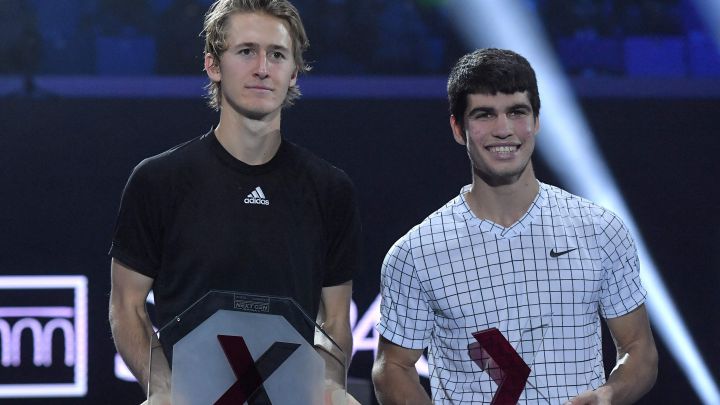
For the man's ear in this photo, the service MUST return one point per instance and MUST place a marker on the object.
(212, 67)
(458, 131)
(293, 78)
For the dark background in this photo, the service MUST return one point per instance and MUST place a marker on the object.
(647, 74)
(66, 161)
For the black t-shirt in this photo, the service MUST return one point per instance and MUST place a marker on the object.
(194, 218)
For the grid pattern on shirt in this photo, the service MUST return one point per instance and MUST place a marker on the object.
(455, 274)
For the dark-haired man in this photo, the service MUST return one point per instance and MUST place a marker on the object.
(536, 262)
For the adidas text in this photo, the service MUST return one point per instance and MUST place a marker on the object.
(255, 200)
(257, 197)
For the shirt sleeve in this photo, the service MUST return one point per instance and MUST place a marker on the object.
(622, 290)
(137, 236)
(405, 316)
(344, 233)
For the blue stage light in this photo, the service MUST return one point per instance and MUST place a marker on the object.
(709, 11)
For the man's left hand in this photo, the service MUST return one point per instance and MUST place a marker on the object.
(600, 396)
(336, 395)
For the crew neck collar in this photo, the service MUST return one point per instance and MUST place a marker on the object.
(236, 164)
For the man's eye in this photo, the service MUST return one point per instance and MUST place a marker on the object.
(245, 51)
(278, 55)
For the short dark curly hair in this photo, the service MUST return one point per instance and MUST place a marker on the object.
(490, 71)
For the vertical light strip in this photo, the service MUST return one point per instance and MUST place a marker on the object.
(709, 11)
(567, 144)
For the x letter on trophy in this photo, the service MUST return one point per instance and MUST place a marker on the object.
(249, 373)
(494, 354)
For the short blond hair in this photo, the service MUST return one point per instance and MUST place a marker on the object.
(215, 32)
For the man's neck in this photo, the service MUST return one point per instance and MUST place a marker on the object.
(502, 204)
(251, 141)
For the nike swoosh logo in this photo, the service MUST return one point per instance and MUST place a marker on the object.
(553, 253)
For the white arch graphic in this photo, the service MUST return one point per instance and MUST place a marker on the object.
(5, 334)
(69, 336)
(17, 330)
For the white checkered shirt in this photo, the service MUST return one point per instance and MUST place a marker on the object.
(454, 274)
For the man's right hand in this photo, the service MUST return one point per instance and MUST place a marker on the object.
(158, 399)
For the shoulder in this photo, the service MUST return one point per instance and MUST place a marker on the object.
(308, 162)
(440, 224)
(576, 208)
(564, 200)
(328, 181)
(163, 165)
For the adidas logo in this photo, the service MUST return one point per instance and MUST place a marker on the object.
(257, 197)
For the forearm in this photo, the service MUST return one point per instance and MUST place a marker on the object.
(633, 376)
(395, 384)
(334, 319)
(131, 333)
(636, 368)
(342, 336)
(336, 362)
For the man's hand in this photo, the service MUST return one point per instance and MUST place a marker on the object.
(158, 399)
(337, 395)
(600, 396)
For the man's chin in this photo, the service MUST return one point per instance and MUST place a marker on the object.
(497, 179)
(256, 112)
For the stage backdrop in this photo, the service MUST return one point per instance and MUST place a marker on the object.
(65, 162)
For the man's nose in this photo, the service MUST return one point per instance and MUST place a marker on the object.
(262, 67)
(503, 127)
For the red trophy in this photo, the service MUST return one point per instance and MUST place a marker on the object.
(510, 367)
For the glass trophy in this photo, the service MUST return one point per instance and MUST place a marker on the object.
(237, 348)
(510, 365)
